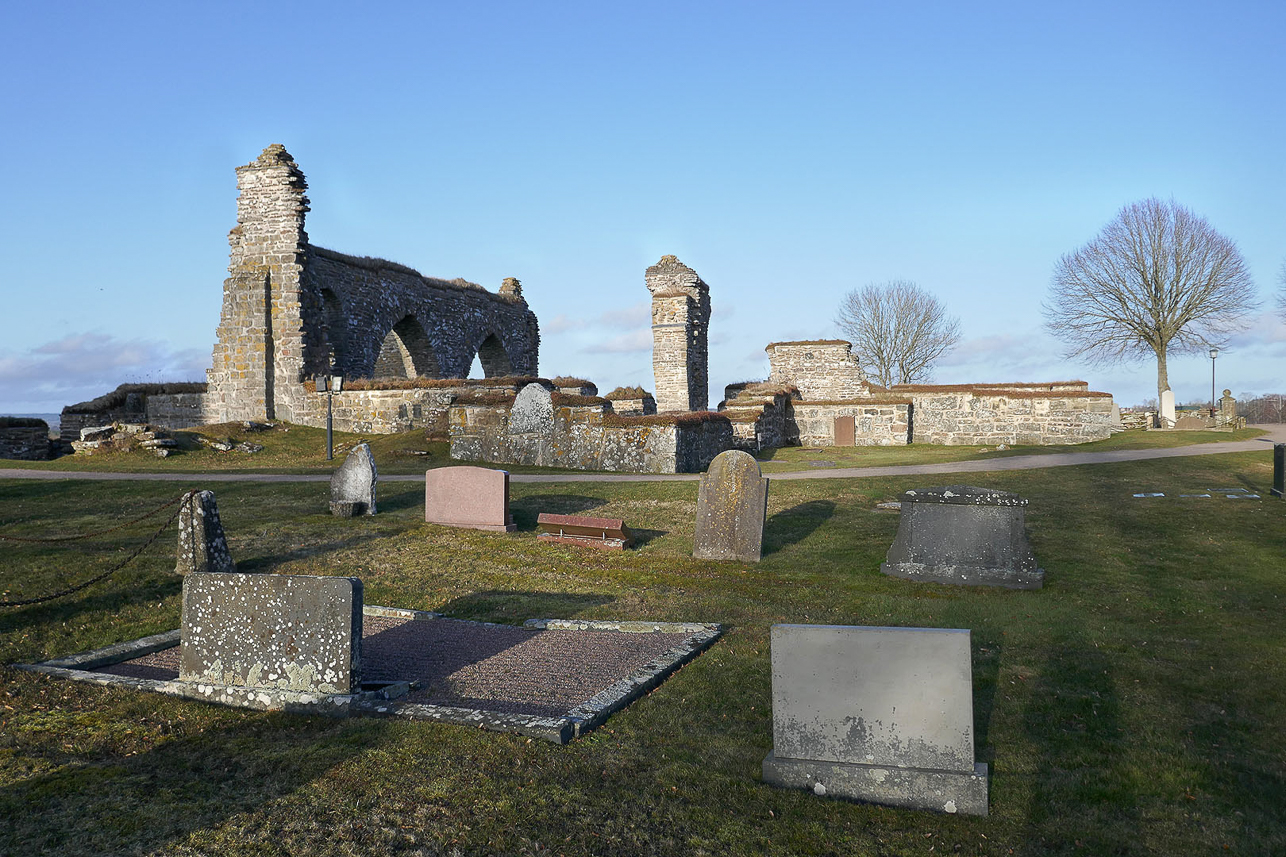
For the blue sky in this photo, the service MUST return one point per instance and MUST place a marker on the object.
(787, 152)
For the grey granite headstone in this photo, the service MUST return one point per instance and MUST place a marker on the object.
(532, 411)
(202, 545)
(352, 486)
(965, 535)
(876, 714)
(291, 632)
(732, 503)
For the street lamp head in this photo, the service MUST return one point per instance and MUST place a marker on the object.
(1214, 352)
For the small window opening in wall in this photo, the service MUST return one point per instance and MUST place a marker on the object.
(475, 370)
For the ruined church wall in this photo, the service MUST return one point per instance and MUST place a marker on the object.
(821, 370)
(875, 422)
(955, 417)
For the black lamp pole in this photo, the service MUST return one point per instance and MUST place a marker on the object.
(330, 447)
(1214, 352)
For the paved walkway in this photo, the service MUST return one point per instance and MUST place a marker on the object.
(1275, 434)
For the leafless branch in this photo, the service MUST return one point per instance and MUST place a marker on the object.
(898, 330)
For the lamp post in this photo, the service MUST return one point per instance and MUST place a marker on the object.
(330, 385)
(1214, 352)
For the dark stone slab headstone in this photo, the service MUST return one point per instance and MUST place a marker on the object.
(471, 497)
(731, 506)
(352, 486)
(1279, 470)
(289, 632)
(964, 535)
(202, 545)
(876, 714)
(532, 411)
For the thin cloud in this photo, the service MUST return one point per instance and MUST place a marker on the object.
(631, 317)
(84, 365)
(560, 324)
(626, 343)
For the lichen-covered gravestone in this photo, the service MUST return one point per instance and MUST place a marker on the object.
(472, 497)
(202, 545)
(876, 714)
(532, 411)
(732, 503)
(352, 487)
(964, 535)
(272, 631)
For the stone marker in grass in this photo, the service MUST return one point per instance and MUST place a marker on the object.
(1279, 470)
(202, 545)
(876, 714)
(272, 631)
(731, 506)
(352, 486)
(964, 535)
(471, 497)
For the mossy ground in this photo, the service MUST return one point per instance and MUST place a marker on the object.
(1132, 706)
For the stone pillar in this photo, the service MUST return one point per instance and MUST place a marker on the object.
(258, 359)
(1166, 418)
(1227, 408)
(202, 545)
(680, 326)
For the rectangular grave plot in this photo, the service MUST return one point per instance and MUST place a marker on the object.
(286, 632)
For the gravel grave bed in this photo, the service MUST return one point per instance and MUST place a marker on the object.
(498, 668)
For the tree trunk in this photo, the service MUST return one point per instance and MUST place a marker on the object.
(1163, 379)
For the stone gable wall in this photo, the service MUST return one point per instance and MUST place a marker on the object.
(820, 370)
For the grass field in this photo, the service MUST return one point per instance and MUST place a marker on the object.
(1133, 706)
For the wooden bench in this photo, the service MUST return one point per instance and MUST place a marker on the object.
(609, 533)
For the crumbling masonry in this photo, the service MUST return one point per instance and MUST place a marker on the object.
(680, 327)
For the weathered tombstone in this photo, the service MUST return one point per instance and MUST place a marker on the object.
(532, 411)
(845, 431)
(965, 535)
(282, 631)
(1191, 423)
(1167, 409)
(202, 545)
(1227, 407)
(352, 487)
(471, 497)
(883, 715)
(732, 503)
(1279, 470)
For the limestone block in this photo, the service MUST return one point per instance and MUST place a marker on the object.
(293, 632)
(732, 504)
(202, 545)
(352, 486)
(964, 535)
(876, 714)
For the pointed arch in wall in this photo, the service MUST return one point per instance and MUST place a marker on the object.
(493, 357)
(406, 352)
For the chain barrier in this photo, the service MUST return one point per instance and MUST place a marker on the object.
(113, 529)
(188, 497)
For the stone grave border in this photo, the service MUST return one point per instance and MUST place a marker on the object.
(383, 701)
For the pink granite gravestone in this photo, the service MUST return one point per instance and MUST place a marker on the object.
(472, 497)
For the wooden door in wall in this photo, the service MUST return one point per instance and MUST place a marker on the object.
(845, 432)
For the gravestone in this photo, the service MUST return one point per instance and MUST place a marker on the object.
(352, 486)
(1279, 470)
(883, 715)
(964, 535)
(282, 631)
(532, 411)
(202, 544)
(471, 497)
(1191, 423)
(1167, 409)
(732, 503)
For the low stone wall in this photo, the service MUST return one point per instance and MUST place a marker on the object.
(876, 422)
(581, 439)
(381, 411)
(176, 410)
(25, 442)
(952, 416)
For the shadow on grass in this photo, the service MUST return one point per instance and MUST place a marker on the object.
(119, 804)
(271, 561)
(110, 597)
(793, 525)
(399, 499)
(498, 605)
(526, 510)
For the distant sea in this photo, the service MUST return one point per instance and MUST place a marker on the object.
(52, 419)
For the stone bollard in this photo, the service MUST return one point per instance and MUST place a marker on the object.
(202, 546)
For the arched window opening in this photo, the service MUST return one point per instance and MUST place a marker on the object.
(406, 353)
(494, 358)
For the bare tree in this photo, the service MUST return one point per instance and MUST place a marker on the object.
(1157, 279)
(898, 330)
(1281, 293)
